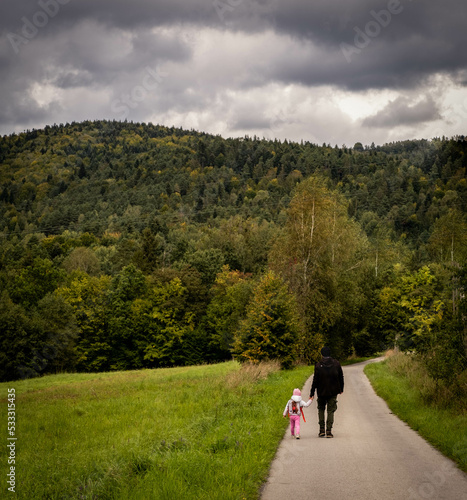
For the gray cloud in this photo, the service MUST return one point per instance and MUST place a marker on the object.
(89, 56)
(380, 39)
(402, 111)
(251, 123)
(61, 59)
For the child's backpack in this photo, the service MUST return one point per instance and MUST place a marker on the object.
(296, 409)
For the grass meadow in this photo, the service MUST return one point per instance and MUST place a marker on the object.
(193, 432)
(416, 399)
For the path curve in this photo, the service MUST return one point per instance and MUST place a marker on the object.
(373, 455)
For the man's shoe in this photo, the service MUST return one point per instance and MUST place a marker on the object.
(321, 433)
(329, 434)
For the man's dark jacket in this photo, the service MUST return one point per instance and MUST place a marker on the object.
(328, 378)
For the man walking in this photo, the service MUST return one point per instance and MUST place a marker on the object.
(328, 381)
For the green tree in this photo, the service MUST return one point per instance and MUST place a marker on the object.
(421, 302)
(229, 297)
(58, 320)
(82, 259)
(448, 241)
(88, 297)
(36, 343)
(33, 282)
(20, 337)
(170, 325)
(128, 288)
(207, 262)
(148, 256)
(271, 327)
(410, 309)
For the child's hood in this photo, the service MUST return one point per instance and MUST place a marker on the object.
(297, 395)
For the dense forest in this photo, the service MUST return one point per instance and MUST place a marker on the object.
(126, 245)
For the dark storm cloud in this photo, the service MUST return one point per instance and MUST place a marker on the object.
(103, 50)
(134, 15)
(362, 43)
(368, 44)
(84, 55)
(397, 66)
(106, 54)
(402, 111)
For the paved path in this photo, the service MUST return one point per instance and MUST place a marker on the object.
(373, 455)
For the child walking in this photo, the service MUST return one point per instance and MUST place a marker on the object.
(294, 409)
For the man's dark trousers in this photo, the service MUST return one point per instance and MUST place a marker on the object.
(331, 404)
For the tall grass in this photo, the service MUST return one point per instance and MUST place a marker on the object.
(192, 433)
(418, 400)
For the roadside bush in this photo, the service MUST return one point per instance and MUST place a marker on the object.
(435, 392)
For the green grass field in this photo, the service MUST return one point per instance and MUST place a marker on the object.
(192, 433)
(445, 429)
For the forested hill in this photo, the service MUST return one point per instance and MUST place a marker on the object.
(102, 177)
(93, 204)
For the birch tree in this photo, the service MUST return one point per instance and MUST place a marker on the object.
(318, 252)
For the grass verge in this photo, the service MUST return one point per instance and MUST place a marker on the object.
(193, 433)
(445, 429)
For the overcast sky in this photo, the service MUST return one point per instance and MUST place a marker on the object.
(333, 71)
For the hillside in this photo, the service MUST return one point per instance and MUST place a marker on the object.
(112, 176)
(127, 245)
